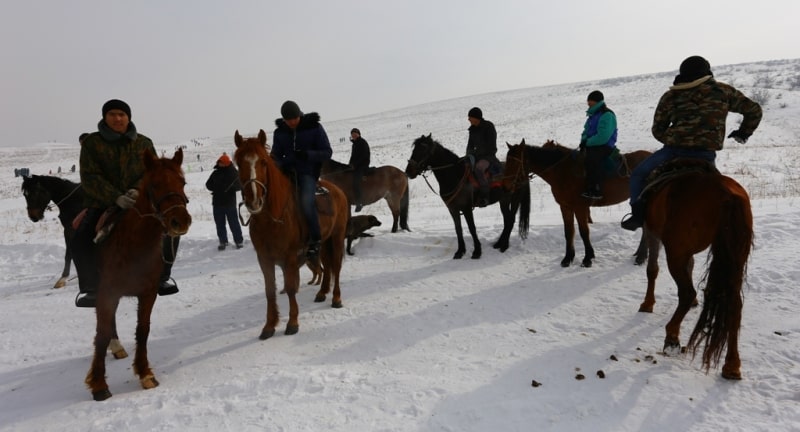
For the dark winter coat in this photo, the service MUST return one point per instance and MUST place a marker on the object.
(482, 143)
(309, 137)
(359, 155)
(111, 163)
(223, 184)
(600, 128)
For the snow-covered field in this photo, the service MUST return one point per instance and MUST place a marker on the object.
(424, 342)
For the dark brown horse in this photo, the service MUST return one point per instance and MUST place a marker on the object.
(130, 263)
(386, 182)
(453, 175)
(687, 215)
(562, 169)
(278, 231)
(39, 191)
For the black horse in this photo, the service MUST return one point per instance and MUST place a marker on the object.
(39, 191)
(459, 195)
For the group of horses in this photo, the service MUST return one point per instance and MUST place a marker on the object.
(131, 261)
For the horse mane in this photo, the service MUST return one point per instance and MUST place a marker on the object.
(549, 153)
(61, 182)
(448, 154)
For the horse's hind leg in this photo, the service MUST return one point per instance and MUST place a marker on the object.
(680, 268)
(395, 208)
(508, 211)
(141, 366)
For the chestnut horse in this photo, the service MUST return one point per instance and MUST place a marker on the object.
(562, 169)
(130, 263)
(688, 214)
(67, 196)
(278, 230)
(453, 174)
(387, 182)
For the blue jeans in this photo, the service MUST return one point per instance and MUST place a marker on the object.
(221, 214)
(661, 156)
(307, 189)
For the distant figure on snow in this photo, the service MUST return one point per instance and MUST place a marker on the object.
(359, 162)
(223, 184)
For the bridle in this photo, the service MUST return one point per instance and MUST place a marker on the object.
(155, 205)
(255, 183)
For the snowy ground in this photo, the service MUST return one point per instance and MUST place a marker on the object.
(423, 342)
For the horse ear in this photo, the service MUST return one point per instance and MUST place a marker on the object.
(178, 158)
(237, 139)
(523, 141)
(429, 134)
(508, 145)
(262, 137)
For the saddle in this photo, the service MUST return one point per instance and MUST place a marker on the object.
(672, 169)
(104, 224)
(615, 165)
(323, 200)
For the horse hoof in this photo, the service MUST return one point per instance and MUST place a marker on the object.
(643, 308)
(476, 255)
(149, 382)
(119, 355)
(292, 329)
(566, 262)
(336, 304)
(672, 348)
(731, 374)
(266, 334)
(586, 263)
(319, 299)
(61, 283)
(639, 261)
(101, 395)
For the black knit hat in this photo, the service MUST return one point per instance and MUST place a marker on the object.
(596, 96)
(692, 68)
(290, 110)
(475, 112)
(356, 131)
(116, 104)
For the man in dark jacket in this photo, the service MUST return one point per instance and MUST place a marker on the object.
(481, 150)
(598, 141)
(690, 122)
(359, 161)
(300, 145)
(111, 167)
(223, 184)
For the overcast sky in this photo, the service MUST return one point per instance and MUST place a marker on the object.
(206, 68)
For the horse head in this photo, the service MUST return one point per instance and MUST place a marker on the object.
(515, 171)
(419, 162)
(252, 159)
(36, 196)
(163, 184)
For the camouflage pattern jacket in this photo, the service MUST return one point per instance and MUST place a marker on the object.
(111, 163)
(693, 114)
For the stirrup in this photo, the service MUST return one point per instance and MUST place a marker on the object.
(630, 223)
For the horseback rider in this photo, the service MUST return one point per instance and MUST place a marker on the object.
(690, 122)
(359, 162)
(111, 167)
(481, 150)
(300, 145)
(597, 142)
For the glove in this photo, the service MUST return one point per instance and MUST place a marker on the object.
(739, 136)
(125, 201)
(132, 193)
(301, 155)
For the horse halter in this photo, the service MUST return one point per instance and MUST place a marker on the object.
(155, 204)
(521, 174)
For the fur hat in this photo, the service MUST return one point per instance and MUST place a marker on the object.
(475, 112)
(596, 96)
(224, 160)
(116, 104)
(290, 110)
(692, 68)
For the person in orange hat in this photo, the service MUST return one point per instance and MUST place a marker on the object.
(223, 184)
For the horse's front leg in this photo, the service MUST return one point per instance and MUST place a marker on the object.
(582, 215)
(62, 281)
(476, 243)
(270, 289)
(640, 256)
(568, 216)
(141, 366)
(117, 350)
(462, 247)
(395, 208)
(291, 284)
(96, 377)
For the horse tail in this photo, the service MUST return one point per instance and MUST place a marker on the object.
(722, 307)
(404, 202)
(524, 211)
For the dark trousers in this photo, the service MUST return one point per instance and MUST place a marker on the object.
(594, 166)
(307, 189)
(358, 194)
(84, 252)
(222, 214)
(659, 157)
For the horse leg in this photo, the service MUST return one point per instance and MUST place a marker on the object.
(654, 246)
(508, 211)
(395, 208)
(404, 210)
(476, 243)
(462, 247)
(641, 251)
(273, 316)
(679, 266)
(568, 216)
(332, 259)
(291, 283)
(96, 377)
(582, 214)
(117, 350)
(62, 281)
(141, 366)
